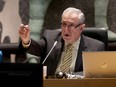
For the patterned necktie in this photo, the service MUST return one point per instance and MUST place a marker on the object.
(67, 59)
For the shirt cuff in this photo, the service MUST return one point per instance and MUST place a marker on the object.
(26, 45)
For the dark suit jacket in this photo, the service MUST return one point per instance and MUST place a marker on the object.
(43, 46)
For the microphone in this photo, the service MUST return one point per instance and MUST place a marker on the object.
(50, 51)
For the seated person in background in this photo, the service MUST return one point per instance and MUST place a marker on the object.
(72, 24)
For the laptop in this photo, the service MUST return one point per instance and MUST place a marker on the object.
(100, 64)
(21, 74)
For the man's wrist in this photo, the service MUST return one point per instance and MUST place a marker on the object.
(26, 45)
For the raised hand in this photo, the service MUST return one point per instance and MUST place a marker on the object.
(24, 33)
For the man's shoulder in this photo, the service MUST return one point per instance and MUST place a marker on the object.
(52, 34)
(91, 40)
(56, 31)
(93, 44)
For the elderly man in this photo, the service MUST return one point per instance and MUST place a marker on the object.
(61, 50)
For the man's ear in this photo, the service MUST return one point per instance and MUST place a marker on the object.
(82, 26)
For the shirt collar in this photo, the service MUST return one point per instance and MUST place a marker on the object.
(75, 44)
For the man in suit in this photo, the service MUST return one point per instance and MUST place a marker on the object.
(72, 25)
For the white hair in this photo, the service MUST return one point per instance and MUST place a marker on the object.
(80, 14)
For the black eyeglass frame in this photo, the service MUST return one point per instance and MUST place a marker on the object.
(69, 26)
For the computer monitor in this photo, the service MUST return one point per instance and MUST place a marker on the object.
(101, 64)
(21, 74)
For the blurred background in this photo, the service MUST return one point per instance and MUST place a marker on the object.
(46, 14)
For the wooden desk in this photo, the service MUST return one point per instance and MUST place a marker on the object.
(98, 82)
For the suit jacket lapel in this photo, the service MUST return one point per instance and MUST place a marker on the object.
(57, 54)
(82, 47)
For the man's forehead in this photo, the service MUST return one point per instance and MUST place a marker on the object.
(69, 22)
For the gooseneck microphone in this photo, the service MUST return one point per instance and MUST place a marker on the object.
(50, 51)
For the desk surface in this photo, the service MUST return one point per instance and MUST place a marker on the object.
(95, 82)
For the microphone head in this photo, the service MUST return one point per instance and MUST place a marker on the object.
(61, 75)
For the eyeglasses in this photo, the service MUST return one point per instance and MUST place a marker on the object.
(71, 26)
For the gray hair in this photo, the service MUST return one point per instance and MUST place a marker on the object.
(80, 14)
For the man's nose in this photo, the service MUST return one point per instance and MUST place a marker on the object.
(66, 27)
